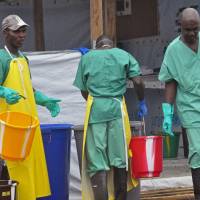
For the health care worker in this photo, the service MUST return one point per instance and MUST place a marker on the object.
(101, 77)
(15, 80)
(181, 72)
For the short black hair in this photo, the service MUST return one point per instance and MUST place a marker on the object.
(103, 40)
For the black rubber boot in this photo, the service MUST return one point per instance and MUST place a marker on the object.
(99, 185)
(120, 183)
(196, 182)
(3, 171)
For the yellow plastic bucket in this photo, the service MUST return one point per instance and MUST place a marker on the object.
(16, 134)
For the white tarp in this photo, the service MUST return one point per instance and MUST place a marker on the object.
(53, 73)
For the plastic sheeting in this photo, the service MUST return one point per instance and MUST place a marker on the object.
(53, 73)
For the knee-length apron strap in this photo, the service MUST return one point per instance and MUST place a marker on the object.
(87, 193)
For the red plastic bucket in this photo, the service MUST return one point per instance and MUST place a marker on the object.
(147, 156)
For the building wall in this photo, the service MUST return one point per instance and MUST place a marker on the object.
(66, 23)
(145, 33)
(149, 50)
(142, 21)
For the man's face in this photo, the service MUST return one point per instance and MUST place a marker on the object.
(189, 31)
(16, 38)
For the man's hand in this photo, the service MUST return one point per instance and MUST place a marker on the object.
(142, 109)
(53, 106)
(50, 103)
(11, 96)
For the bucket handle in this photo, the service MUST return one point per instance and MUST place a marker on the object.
(144, 127)
(8, 116)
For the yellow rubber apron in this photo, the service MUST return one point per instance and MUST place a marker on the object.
(31, 173)
(87, 193)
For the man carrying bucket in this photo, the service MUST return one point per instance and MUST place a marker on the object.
(31, 173)
(101, 77)
(181, 72)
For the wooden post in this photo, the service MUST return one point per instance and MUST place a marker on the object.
(109, 10)
(38, 24)
(96, 20)
(102, 19)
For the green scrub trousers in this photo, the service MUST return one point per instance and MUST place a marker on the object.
(105, 146)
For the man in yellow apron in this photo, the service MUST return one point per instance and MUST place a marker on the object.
(101, 77)
(16, 83)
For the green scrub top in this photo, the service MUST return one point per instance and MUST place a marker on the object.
(5, 60)
(103, 73)
(183, 65)
(4, 65)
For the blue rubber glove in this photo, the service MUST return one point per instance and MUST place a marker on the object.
(83, 50)
(50, 103)
(11, 96)
(142, 109)
(168, 111)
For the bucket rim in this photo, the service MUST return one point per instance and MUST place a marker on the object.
(35, 119)
(56, 126)
(176, 134)
(146, 137)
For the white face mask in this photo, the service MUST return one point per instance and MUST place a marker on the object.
(106, 45)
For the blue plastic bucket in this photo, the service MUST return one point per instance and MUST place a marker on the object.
(57, 142)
